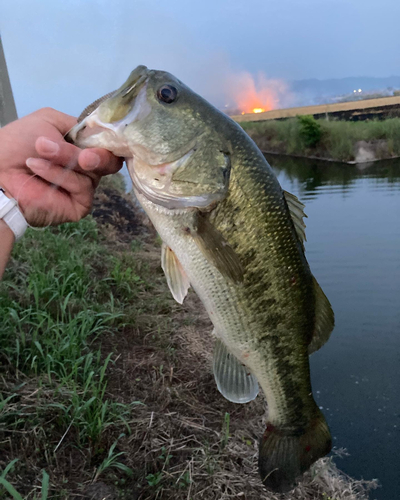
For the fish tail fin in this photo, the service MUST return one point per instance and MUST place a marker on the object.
(285, 454)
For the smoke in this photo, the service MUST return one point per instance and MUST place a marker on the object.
(247, 93)
(233, 90)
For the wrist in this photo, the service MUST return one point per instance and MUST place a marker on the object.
(11, 216)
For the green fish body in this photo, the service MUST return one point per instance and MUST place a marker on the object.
(235, 236)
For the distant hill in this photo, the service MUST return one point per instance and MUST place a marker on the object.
(314, 91)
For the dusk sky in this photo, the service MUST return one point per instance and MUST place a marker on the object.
(66, 54)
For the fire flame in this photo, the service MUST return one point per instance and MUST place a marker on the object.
(256, 95)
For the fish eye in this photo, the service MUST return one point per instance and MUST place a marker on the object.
(167, 94)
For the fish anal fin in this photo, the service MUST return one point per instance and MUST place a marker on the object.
(234, 380)
(177, 279)
(324, 319)
(217, 250)
(296, 209)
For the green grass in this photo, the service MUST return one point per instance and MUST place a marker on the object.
(58, 299)
(338, 138)
(14, 493)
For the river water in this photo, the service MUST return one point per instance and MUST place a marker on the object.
(353, 247)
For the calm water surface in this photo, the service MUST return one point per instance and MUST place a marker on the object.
(353, 247)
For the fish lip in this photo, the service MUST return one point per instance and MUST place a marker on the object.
(136, 84)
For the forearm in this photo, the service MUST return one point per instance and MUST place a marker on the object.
(6, 245)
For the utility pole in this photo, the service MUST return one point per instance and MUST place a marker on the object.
(8, 112)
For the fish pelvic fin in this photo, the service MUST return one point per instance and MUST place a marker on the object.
(324, 320)
(177, 279)
(234, 380)
(285, 454)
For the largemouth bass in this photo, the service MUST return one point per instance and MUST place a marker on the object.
(236, 237)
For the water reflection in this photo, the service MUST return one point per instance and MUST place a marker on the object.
(353, 246)
(312, 175)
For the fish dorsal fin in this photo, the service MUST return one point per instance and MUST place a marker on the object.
(234, 380)
(177, 279)
(89, 109)
(324, 320)
(296, 209)
(217, 250)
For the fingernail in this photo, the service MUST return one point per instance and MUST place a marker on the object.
(48, 146)
(36, 163)
(92, 160)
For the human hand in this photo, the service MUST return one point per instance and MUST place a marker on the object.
(52, 180)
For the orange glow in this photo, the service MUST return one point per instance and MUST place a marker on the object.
(257, 94)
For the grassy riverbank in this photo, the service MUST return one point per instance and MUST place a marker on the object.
(106, 389)
(337, 140)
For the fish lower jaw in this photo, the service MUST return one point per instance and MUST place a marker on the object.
(147, 203)
(94, 135)
(172, 204)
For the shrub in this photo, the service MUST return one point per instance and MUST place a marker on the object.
(310, 130)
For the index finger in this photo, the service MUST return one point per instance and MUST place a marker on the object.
(59, 152)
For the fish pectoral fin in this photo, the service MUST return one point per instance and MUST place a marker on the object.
(296, 209)
(324, 320)
(217, 250)
(234, 380)
(177, 279)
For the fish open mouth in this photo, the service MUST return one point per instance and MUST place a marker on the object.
(108, 116)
